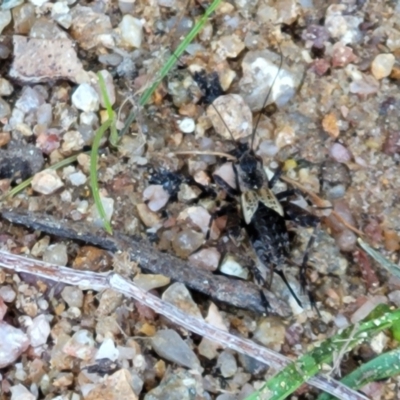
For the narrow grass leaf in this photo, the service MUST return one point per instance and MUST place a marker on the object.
(382, 367)
(23, 185)
(93, 174)
(110, 111)
(392, 268)
(294, 375)
(172, 61)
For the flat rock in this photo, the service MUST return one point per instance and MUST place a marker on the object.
(44, 60)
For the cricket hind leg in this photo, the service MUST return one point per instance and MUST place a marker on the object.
(305, 219)
(281, 274)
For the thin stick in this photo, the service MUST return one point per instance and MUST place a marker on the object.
(100, 281)
(206, 153)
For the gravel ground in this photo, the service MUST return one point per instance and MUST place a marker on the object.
(330, 122)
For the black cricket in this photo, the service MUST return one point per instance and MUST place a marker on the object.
(264, 213)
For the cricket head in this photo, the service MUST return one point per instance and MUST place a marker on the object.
(251, 173)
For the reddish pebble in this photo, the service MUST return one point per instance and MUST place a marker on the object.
(342, 55)
(320, 66)
(373, 230)
(367, 272)
(392, 143)
(47, 142)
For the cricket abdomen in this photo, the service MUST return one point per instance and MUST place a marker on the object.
(269, 237)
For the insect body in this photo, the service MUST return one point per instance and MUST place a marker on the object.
(263, 213)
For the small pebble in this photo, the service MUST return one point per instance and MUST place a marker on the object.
(151, 281)
(270, 332)
(228, 46)
(339, 153)
(382, 65)
(73, 296)
(19, 392)
(5, 87)
(89, 27)
(188, 193)
(178, 295)
(72, 141)
(30, 100)
(60, 12)
(128, 6)
(38, 3)
(186, 242)
(148, 217)
(207, 259)
(177, 385)
(81, 345)
(109, 301)
(5, 109)
(227, 174)
(187, 125)
(24, 17)
(341, 25)
(44, 114)
(233, 118)
(5, 19)
(285, 137)
(46, 182)
(169, 345)
(56, 254)
(330, 125)
(131, 31)
(227, 364)
(47, 143)
(119, 385)
(260, 72)
(85, 98)
(230, 266)
(107, 350)
(77, 178)
(7, 293)
(5, 138)
(156, 196)
(198, 216)
(13, 343)
(39, 331)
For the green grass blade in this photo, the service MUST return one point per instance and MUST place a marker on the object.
(392, 268)
(294, 375)
(23, 185)
(93, 174)
(381, 367)
(110, 111)
(172, 61)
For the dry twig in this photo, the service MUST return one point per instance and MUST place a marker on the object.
(100, 281)
(241, 294)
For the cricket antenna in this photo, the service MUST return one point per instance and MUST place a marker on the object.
(253, 134)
